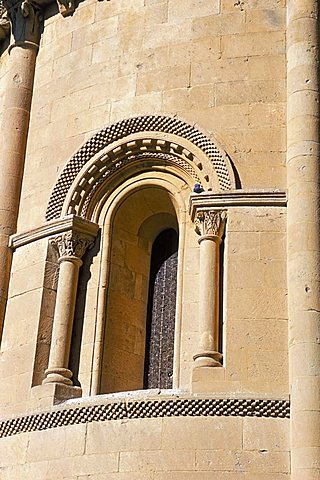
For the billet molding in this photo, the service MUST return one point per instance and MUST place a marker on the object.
(143, 125)
(174, 407)
(207, 201)
(55, 227)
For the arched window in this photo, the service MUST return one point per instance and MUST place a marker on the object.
(133, 180)
(141, 296)
(158, 371)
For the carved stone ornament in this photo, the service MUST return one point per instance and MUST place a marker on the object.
(71, 244)
(66, 7)
(210, 222)
(4, 22)
(26, 20)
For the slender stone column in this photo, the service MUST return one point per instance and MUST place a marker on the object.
(26, 21)
(210, 226)
(303, 152)
(71, 247)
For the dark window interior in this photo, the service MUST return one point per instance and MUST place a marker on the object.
(158, 369)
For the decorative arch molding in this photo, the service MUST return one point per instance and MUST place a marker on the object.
(134, 154)
(150, 140)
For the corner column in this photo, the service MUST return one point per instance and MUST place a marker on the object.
(71, 248)
(210, 227)
(303, 155)
(26, 19)
(27, 23)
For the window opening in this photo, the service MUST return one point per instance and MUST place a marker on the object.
(158, 370)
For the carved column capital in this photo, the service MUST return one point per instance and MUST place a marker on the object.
(4, 22)
(210, 222)
(72, 244)
(26, 19)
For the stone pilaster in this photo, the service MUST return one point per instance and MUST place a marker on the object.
(210, 227)
(71, 246)
(303, 152)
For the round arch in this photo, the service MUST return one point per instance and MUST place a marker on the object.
(149, 227)
(133, 145)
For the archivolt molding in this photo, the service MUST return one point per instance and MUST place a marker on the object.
(155, 139)
(131, 156)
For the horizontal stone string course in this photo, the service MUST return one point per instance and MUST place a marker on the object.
(147, 409)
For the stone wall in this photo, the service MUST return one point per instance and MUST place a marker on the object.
(218, 64)
(184, 448)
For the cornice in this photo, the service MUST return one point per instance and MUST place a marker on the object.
(236, 198)
(54, 227)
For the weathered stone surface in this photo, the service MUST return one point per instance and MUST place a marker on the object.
(220, 67)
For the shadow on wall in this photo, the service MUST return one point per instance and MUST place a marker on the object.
(48, 302)
(79, 315)
(235, 173)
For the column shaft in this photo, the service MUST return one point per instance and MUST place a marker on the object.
(14, 132)
(63, 321)
(71, 246)
(210, 226)
(304, 236)
(209, 293)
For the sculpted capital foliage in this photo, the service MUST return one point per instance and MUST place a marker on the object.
(71, 244)
(210, 222)
(4, 22)
(26, 20)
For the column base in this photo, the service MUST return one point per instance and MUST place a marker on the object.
(58, 375)
(207, 359)
(49, 394)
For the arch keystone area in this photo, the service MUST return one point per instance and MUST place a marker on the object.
(166, 140)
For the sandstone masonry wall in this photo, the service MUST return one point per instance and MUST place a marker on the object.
(221, 65)
(152, 449)
(218, 64)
